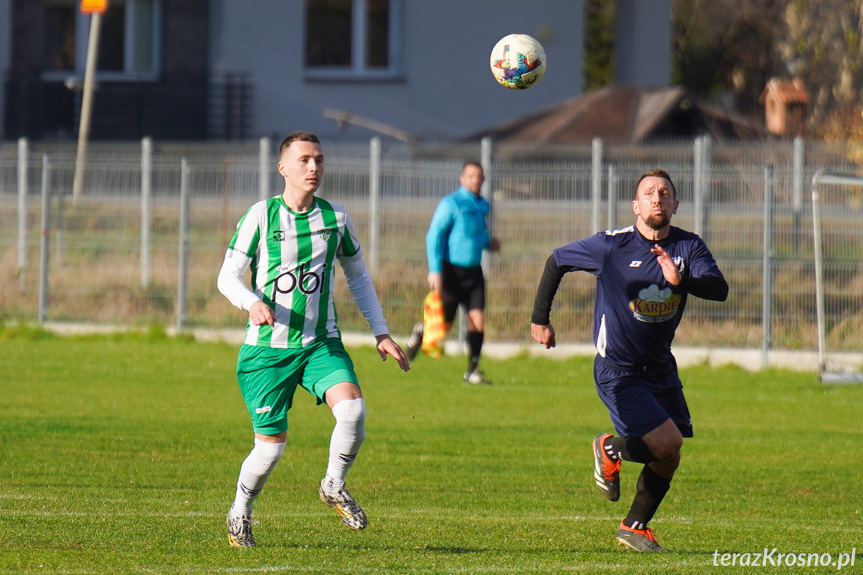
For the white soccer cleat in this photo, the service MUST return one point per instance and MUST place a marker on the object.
(347, 507)
(476, 377)
(240, 531)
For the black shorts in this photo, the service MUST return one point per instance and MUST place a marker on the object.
(461, 287)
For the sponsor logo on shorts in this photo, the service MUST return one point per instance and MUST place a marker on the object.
(264, 409)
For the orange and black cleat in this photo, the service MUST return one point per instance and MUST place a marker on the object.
(605, 470)
(642, 540)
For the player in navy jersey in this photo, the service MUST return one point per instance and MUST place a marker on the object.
(644, 275)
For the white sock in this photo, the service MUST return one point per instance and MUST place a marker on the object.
(254, 473)
(348, 435)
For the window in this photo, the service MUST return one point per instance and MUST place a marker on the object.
(128, 39)
(352, 39)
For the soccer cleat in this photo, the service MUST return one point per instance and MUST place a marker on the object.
(642, 540)
(240, 531)
(476, 377)
(339, 499)
(414, 342)
(605, 471)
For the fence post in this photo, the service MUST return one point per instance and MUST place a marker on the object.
(184, 245)
(59, 226)
(264, 168)
(596, 186)
(374, 200)
(697, 184)
(23, 160)
(486, 158)
(797, 191)
(45, 248)
(146, 207)
(700, 185)
(819, 273)
(767, 269)
(707, 174)
(612, 197)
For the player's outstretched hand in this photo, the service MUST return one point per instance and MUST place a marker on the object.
(386, 345)
(544, 334)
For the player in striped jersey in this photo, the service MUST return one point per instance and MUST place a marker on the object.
(291, 243)
(644, 275)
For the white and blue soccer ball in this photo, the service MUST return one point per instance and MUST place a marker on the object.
(517, 61)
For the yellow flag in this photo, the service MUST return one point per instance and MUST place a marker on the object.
(434, 330)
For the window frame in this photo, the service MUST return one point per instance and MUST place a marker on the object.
(358, 70)
(82, 37)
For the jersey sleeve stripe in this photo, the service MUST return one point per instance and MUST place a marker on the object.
(242, 241)
(350, 244)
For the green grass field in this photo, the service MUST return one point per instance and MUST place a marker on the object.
(120, 455)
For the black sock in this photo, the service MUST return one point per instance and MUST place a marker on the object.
(650, 489)
(628, 448)
(474, 344)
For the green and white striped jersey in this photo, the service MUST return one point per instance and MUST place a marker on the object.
(292, 258)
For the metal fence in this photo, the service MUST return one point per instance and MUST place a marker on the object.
(144, 241)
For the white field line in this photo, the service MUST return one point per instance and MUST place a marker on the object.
(593, 566)
(729, 523)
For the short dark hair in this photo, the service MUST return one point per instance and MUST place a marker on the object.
(298, 137)
(655, 173)
(471, 163)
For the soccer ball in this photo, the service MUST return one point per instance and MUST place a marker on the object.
(517, 61)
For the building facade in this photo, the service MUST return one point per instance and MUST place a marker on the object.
(244, 69)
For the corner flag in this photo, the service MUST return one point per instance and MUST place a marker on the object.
(91, 6)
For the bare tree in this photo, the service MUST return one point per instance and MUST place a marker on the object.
(823, 47)
(726, 46)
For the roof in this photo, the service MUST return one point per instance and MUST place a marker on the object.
(786, 91)
(630, 114)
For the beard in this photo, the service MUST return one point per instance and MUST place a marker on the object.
(658, 221)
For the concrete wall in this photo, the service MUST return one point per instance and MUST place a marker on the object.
(447, 90)
(642, 43)
(5, 51)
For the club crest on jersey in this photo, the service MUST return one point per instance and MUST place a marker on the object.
(278, 236)
(678, 261)
(325, 233)
(654, 305)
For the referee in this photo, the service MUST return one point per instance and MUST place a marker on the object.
(644, 275)
(456, 238)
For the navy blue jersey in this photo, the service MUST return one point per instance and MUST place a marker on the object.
(637, 310)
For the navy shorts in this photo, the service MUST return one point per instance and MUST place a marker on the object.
(640, 400)
(461, 287)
